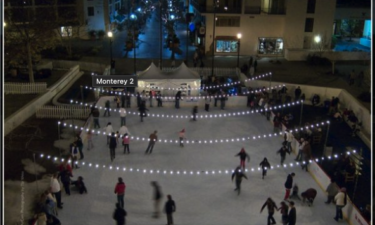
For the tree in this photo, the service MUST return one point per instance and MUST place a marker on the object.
(351, 27)
(28, 32)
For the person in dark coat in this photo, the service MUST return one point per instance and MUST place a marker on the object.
(142, 110)
(79, 145)
(283, 150)
(157, 198)
(223, 98)
(195, 111)
(65, 180)
(80, 185)
(239, 175)
(139, 100)
(153, 139)
(295, 193)
(297, 93)
(123, 99)
(112, 146)
(284, 212)
(159, 99)
(292, 217)
(265, 166)
(310, 195)
(332, 191)
(128, 100)
(288, 185)
(177, 100)
(243, 156)
(107, 106)
(170, 208)
(271, 206)
(119, 215)
(95, 115)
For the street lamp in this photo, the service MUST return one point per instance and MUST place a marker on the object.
(239, 36)
(213, 39)
(110, 35)
(317, 39)
(134, 18)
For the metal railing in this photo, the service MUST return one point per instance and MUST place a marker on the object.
(63, 112)
(25, 88)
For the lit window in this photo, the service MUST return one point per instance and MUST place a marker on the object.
(66, 31)
(226, 46)
(270, 46)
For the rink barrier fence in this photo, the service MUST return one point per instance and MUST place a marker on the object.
(25, 88)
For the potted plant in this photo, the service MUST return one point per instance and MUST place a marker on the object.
(92, 34)
(101, 34)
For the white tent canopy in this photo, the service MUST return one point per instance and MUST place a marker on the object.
(182, 78)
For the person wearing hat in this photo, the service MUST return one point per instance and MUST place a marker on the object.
(181, 135)
(243, 156)
(340, 199)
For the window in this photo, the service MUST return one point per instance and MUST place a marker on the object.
(311, 6)
(228, 21)
(270, 46)
(309, 24)
(90, 11)
(226, 46)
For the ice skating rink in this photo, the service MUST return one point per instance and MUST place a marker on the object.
(200, 199)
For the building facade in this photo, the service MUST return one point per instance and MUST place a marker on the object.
(268, 27)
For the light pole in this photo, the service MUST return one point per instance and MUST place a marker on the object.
(187, 31)
(134, 18)
(317, 40)
(110, 35)
(213, 40)
(161, 34)
(239, 36)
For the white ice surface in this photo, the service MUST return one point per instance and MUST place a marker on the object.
(200, 199)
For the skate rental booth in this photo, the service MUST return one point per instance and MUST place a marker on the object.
(169, 83)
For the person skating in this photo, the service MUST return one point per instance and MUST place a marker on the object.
(74, 154)
(120, 191)
(159, 99)
(284, 212)
(297, 93)
(151, 96)
(90, 144)
(265, 165)
(124, 130)
(128, 100)
(65, 180)
(194, 112)
(207, 102)
(223, 98)
(112, 146)
(177, 100)
(301, 144)
(119, 215)
(288, 138)
(157, 196)
(122, 112)
(170, 208)
(96, 115)
(288, 185)
(239, 175)
(341, 200)
(271, 206)
(181, 136)
(292, 216)
(309, 195)
(295, 192)
(243, 156)
(80, 146)
(107, 107)
(282, 151)
(153, 139)
(142, 110)
(123, 99)
(139, 99)
(56, 190)
(332, 191)
(125, 142)
(108, 130)
(80, 185)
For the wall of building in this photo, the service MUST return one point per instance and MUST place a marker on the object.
(353, 13)
(251, 27)
(96, 22)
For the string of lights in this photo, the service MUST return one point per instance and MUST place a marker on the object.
(188, 172)
(211, 116)
(211, 86)
(211, 141)
(120, 93)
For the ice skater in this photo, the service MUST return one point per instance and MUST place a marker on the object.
(177, 100)
(120, 191)
(239, 175)
(292, 216)
(332, 191)
(108, 130)
(170, 208)
(125, 142)
(194, 112)
(243, 156)
(284, 212)
(271, 206)
(119, 215)
(153, 139)
(283, 150)
(157, 198)
(341, 201)
(107, 107)
(310, 195)
(181, 136)
(142, 110)
(112, 146)
(288, 185)
(295, 193)
(265, 166)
